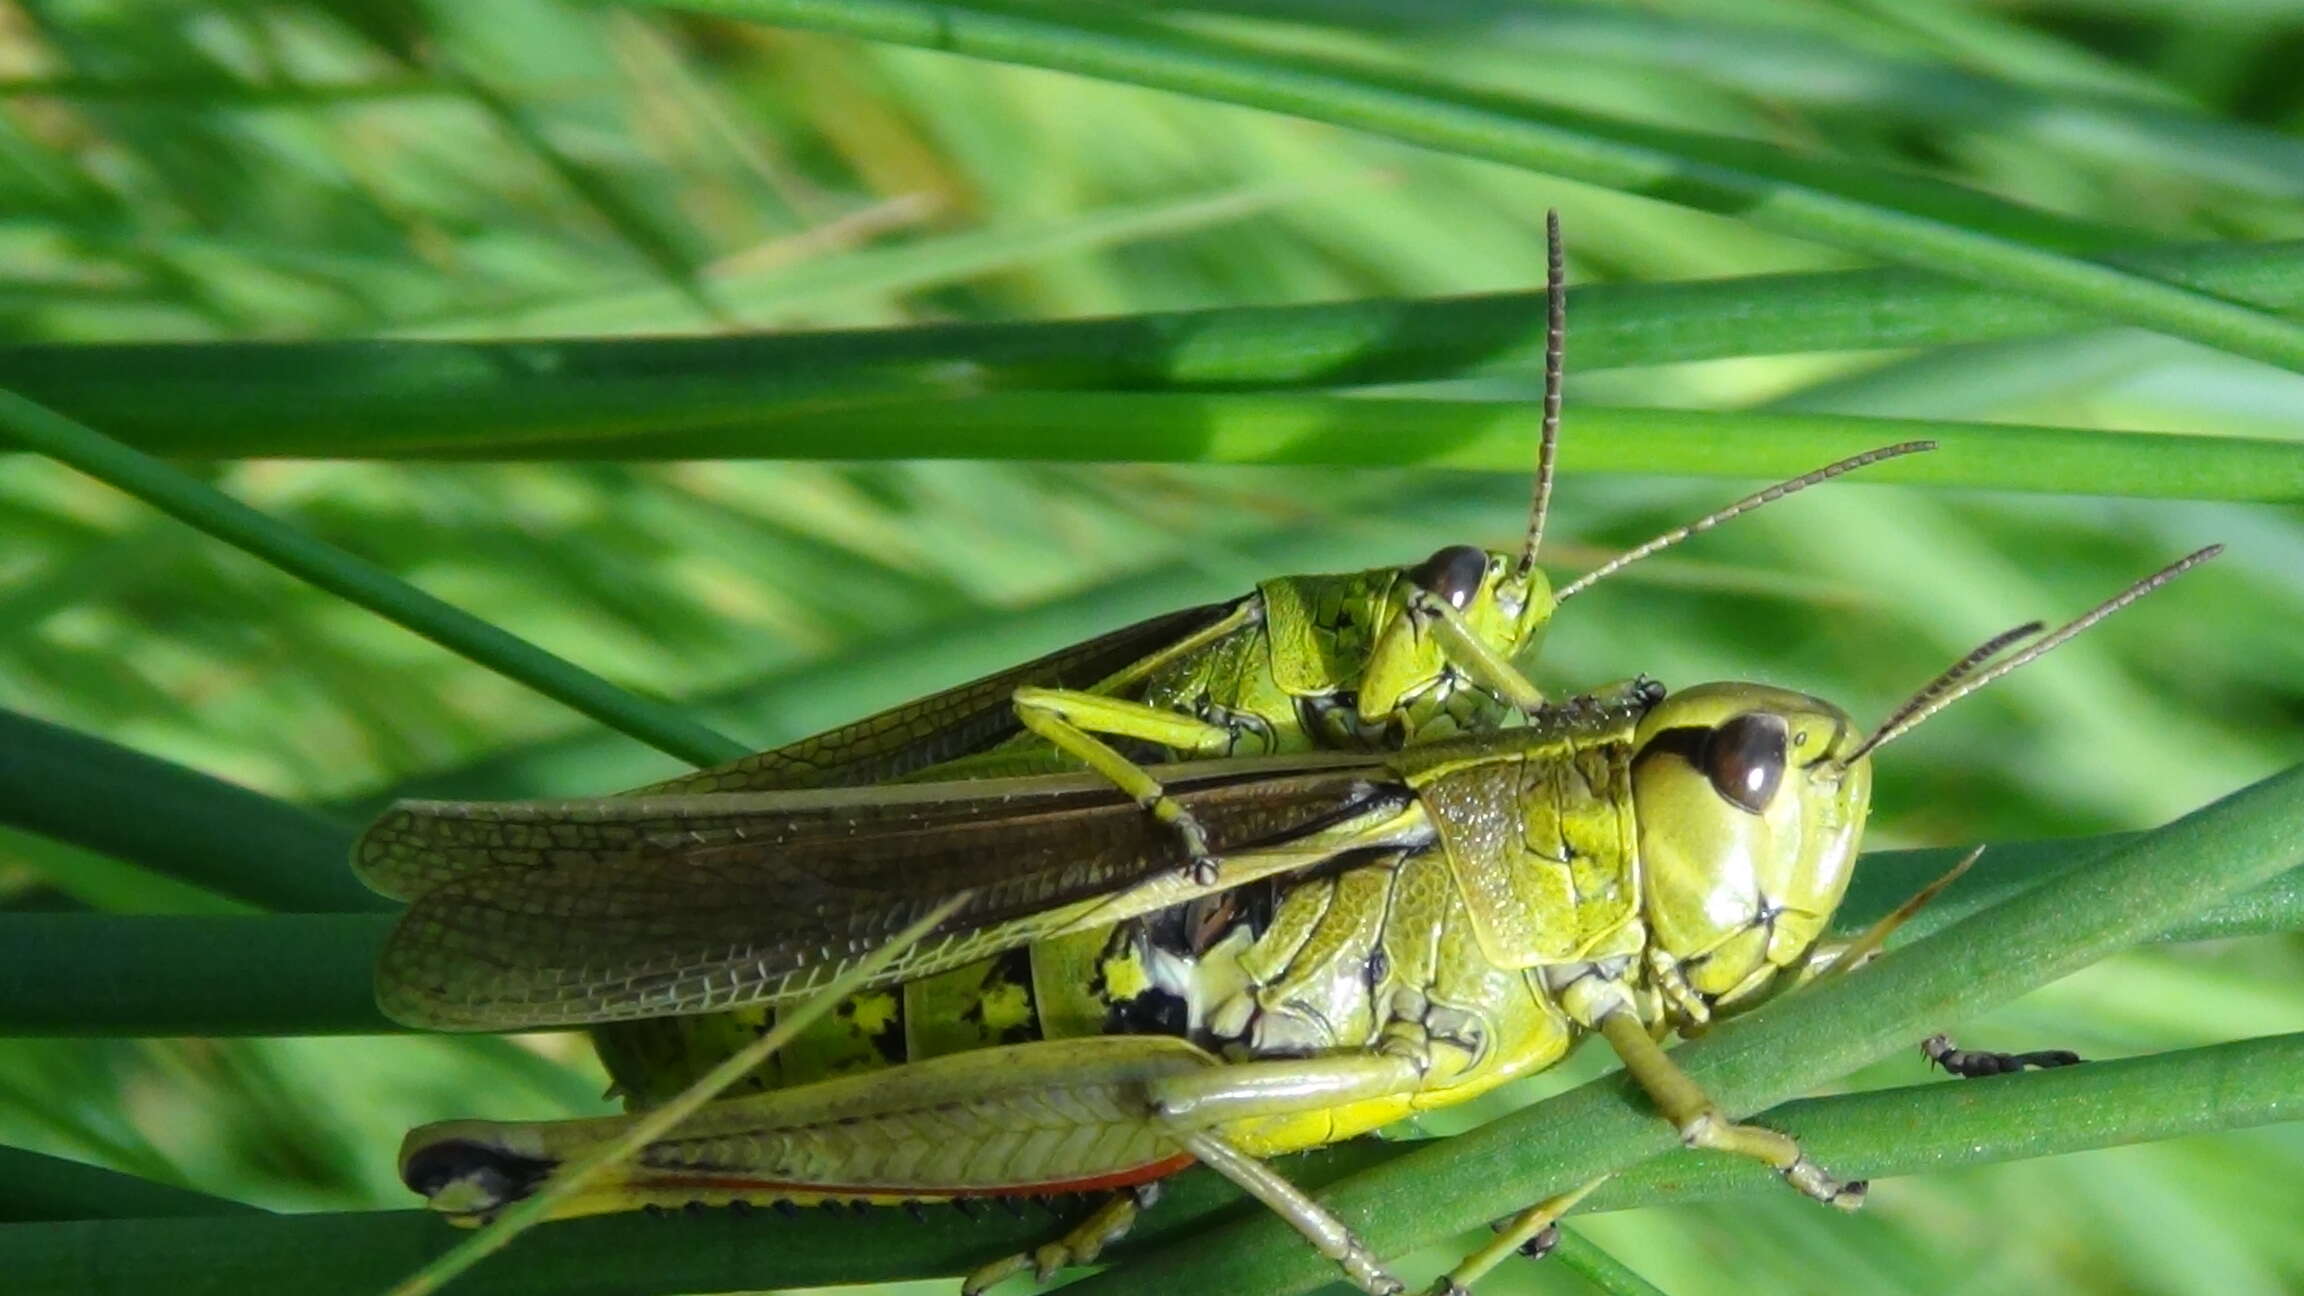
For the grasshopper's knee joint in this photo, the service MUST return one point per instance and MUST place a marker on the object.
(1705, 1129)
(1708, 1128)
(1812, 1180)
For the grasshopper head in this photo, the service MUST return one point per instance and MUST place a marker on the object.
(1750, 802)
(1503, 601)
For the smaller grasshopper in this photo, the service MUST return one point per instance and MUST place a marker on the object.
(1386, 934)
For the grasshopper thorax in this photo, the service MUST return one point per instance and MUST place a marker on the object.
(1749, 813)
(1502, 601)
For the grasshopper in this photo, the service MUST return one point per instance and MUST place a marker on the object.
(1360, 661)
(1385, 934)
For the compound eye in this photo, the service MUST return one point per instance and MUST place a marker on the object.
(1454, 574)
(1744, 758)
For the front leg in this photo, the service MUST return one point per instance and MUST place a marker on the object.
(1701, 1122)
(1070, 720)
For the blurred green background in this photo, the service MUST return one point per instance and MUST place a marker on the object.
(522, 168)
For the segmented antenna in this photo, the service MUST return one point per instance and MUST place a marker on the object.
(1951, 676)
(1959, 682)
(1555, 349)
(1738, 509)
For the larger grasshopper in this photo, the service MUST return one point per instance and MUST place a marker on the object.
(1359, 661)
(1384, 934)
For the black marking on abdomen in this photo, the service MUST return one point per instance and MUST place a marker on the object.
(1010, 974)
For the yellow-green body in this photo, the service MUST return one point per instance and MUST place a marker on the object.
(1441, 920)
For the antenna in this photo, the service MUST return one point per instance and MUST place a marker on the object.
(1555, 349)
(1738, 509)
(1957, 683)
(1951, 676)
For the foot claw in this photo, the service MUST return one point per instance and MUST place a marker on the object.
(1541, 1245)
(992, 1275)
(1940, 1050)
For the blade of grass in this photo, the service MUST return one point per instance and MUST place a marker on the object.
(1605, 1272)
(174, 975)
(34, 1186)
(2135, 889)
(1117, 48)
(1881, 1134)
(217, 400)
(217, 514)
(217, 835)
(1917, 1129)
(1235, 428)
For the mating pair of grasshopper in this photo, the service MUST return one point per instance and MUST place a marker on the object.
(1424, 881)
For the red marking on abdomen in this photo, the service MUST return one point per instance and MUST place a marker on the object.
(1128, 1178)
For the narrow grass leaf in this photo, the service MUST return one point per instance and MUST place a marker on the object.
(1884, 1133)
(179, 822)
(35, 427)
(223, 400)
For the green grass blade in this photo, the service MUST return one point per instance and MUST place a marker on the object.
(34, 1186)
(1886, 1133)
(1162, 58)
(1919, 1129)
(1781, 1049)
(225, 400)
(37, 428)
(216, 835)
(1481, 436)
(1605, 1272)
(166, 976)
(1239, 428)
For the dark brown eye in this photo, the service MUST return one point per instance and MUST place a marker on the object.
(1744, 758)
(1454, 574)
